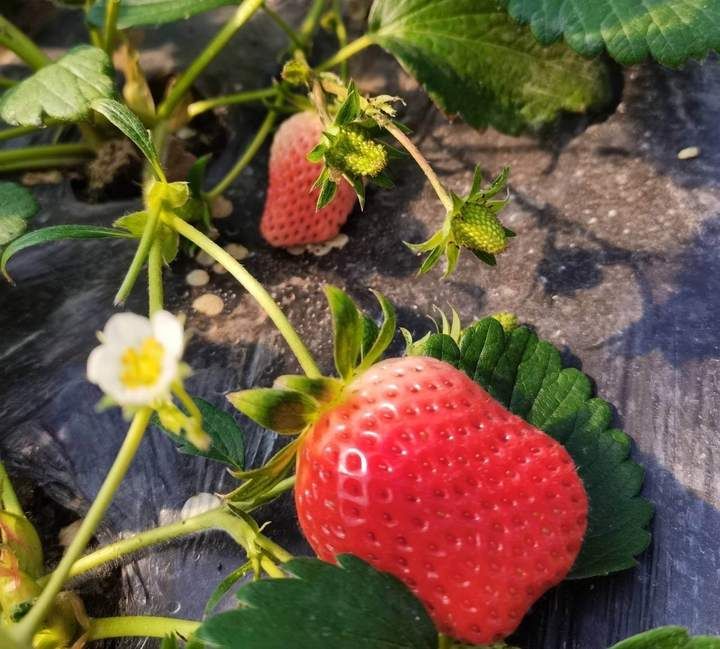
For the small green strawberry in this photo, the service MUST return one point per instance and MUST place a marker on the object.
(477, 228)
(508, 321)
(472, 223)
(352, 152)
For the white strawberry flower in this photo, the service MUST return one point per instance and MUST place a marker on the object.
(139, 359)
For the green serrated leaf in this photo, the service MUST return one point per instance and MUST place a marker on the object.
(227, 440)
(474, 60)
(17, 201)
(284, 411)
(670, 31)
(350, 606)
(668, 637)
(57, 233)
(136, 13)
(347, 330)
(61, 91)
(526, 375)
(126, 121)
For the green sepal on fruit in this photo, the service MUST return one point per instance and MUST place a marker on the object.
(294, 402)
(472, 223)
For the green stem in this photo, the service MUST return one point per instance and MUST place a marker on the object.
(10, 502)
(143, 250)
(444, 642)
(112, 9)
(25, 629)
(45, 151)
(215, 519)
(311, 20)
(244, 12)
(12, 38)
(155, 278)
(139, 626)
(246, 157)
(41, 163)
(244, 97)
(341, 35)
(343, 54)
(421, 161)
(252, 286)
(16, 131)
(282, 24)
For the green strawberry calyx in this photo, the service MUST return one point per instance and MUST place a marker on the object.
(472, 223)
(295, 403)
(350, 146)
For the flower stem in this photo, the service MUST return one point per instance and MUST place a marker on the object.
(244, 97)
(252, 286)
(244, 12)
(341, 35)
(143, 250)
(155, 278)
(12, 38)
(45, 151)
(112, 8)
(10, 502)
(24, 630)
(311, 20)
(295, 39)
(215, 519)
(41, 163)
(139, 626)
(16, 131)
(424, 165)
(343, 54)
(247, 155)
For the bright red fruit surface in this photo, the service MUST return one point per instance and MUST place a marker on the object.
(420, 472)
(290, 217)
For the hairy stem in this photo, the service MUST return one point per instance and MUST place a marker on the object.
(343, 54)
(143, 250)
(45, 151)
(421, 161)
(12, 38)
(24, 629)
(244, 97)
(139, 626)
(247, 155)
(112, 8)
(41, 163)
(252, 286)
(215, 519)
(311, 20)
(244, 12)
(10, 502)
(341, 35)
(295, 39)
(17, 131)
(155, 278)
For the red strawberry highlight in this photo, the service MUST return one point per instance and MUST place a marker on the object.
(290, 217)
(420, 472)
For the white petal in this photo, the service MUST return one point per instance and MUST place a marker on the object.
(96, 363)
(168, 331)
(126, 330)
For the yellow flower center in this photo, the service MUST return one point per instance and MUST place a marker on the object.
(141, 366)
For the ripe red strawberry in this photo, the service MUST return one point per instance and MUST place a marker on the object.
(420, 472)
(290, 217)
